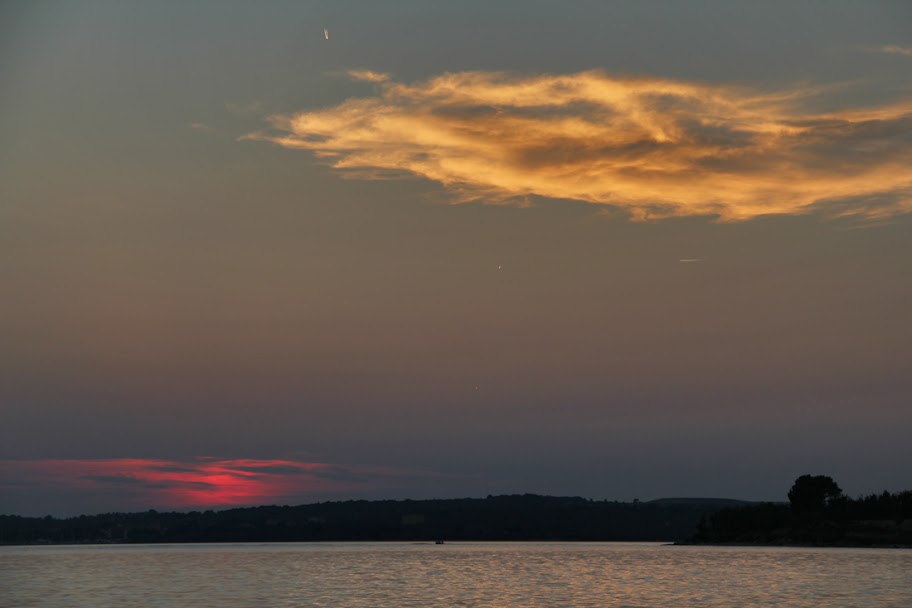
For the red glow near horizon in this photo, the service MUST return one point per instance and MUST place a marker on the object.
(202, 482)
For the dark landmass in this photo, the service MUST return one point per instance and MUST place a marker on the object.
(495, 518)
(817, 514)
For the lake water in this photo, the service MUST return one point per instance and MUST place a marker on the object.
(458, 574)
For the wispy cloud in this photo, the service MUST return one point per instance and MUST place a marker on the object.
(368, 75)
(200, 126)
(894, 49)
(655, 148)
(203, 482)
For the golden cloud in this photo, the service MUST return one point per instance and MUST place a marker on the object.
(655, 148)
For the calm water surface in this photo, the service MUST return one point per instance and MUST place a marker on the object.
(458, 574)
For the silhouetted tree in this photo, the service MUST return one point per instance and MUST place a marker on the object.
(812, 493)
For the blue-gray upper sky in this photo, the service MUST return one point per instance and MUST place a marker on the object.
(617, 250)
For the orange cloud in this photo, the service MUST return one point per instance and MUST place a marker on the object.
(655, 148)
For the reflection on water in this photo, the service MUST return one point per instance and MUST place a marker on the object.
(462, 574)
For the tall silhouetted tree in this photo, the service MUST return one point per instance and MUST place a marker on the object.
(812, 493)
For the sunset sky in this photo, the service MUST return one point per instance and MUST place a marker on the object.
(629, 249)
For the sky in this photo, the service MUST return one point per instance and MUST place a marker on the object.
(289, 252)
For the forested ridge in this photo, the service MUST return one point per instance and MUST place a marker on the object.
(818, 513)
(513, 517)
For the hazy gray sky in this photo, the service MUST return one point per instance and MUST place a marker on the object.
(440, 253)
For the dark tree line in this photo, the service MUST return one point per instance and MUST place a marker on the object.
(818, 513)
(518, 517)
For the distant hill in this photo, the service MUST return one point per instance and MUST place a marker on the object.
(708, 503)
(495, 518)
